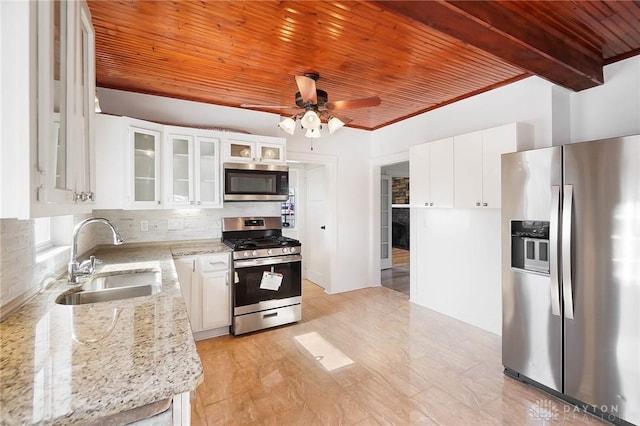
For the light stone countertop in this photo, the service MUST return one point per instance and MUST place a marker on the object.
(77, 364)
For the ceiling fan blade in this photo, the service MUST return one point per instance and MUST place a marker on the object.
(353, 103)
(269, 106)
(307, 88)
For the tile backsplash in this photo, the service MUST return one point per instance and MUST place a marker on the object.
(177, 225)
(22, 274)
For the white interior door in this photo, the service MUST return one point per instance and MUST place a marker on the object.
(385, 222)
(315, 253)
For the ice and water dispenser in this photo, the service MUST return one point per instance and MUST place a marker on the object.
(530, 245)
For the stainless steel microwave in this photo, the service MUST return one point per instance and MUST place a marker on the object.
(255, 182)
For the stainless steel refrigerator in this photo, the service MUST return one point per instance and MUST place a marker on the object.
(571, 273)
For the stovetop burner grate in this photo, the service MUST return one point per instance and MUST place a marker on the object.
(271, 241)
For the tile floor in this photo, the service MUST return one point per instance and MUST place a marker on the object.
(411, 366)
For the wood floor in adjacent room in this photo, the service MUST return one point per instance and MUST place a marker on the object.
(410, 366)
(397, 277)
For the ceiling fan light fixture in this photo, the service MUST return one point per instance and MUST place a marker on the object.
(313, 133)
(335, 124)
(310, 120)
(288, 125)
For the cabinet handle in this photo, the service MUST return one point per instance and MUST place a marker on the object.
(158, 202)
(191, 203)
(431, 204)
(477, 204)
(426, 204)
(484, 204)
(194, 265)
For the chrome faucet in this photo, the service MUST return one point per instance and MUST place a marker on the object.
(76, 269)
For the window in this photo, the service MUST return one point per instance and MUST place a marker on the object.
(52, 232)
(42, 231)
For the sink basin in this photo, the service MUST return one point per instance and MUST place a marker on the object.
(114, 286)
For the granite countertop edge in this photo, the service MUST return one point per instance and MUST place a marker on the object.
(78, 364)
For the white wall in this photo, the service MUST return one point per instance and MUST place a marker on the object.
(525, 101)
(612, 109)
(186, 113)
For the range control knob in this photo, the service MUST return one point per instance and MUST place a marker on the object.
(292, 250)
(284, 249)
(269, 251)
(245, 254)
(254, 253)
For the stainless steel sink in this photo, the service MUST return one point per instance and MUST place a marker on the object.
(114, 286)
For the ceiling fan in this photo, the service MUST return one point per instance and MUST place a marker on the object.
(315, 106)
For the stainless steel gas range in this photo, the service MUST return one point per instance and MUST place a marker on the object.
(267, 289)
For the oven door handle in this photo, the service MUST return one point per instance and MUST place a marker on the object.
(267, 261)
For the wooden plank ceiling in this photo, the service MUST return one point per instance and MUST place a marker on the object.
(414, 55)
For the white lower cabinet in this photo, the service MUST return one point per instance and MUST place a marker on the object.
(206, 282)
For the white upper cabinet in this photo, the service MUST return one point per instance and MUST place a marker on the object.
(477, 158)
(193, 175)
(144, 166)
(441, 173)
(156, 166)
(495, 142)
(431, 174)
(419, 178)
(128, 169)
(468, 170)
(64, 60)
(254, 149)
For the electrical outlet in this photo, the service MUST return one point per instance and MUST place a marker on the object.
(175, 224)
(144, 225)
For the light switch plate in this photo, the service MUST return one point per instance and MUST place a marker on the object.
(144, 225)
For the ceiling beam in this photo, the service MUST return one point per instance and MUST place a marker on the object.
(522, 42)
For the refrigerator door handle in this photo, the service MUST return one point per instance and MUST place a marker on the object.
(567, 284)
(553, 249)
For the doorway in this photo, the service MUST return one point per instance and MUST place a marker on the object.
(395, 227)
(314, 178)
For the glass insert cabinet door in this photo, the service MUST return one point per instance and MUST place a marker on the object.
(145, 166)
(182, 159)
(207, 171)
(194, 170)
(241, 151)
(271, 153)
